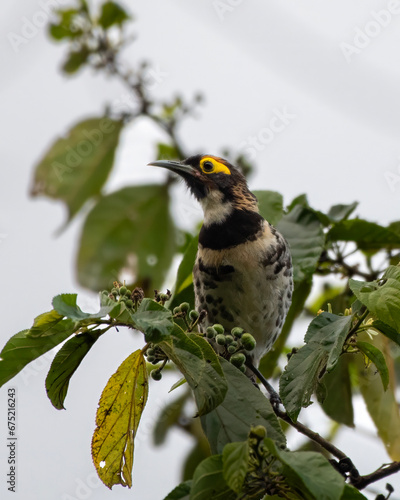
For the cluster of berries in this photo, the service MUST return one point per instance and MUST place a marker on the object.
(235, 342)
(120, 293)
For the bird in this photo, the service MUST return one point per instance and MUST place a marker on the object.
(243, 273)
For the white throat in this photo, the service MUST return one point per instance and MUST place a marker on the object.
(215, 212)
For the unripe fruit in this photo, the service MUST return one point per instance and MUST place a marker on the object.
(229, 339)
(129, 303)
(248, 341)
(177, 310)
(184, 307)
(123, 290)
(242, 368)
(193, 315)
(115, 292)
(150, 358)
(238, 359)
(231, 349)
(258, 431)
(219, 328)
(220, 338)
(150, 351)
(211, 332)
(237, 332)
(156, 375)
(234, 344)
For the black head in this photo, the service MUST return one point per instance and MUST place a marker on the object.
(213, 177)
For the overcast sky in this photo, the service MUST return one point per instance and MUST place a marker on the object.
(310, 89)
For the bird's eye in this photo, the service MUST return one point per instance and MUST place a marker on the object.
(208, 166)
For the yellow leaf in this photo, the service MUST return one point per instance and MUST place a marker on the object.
(382, 405)
(118, 415)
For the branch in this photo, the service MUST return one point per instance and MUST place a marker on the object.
(314, 436)
(339, 265)
(383, 471)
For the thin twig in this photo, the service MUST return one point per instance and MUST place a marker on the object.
(383, 471)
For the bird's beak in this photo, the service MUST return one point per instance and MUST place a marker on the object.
(175, 166)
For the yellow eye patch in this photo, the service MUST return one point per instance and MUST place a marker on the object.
(210, 165)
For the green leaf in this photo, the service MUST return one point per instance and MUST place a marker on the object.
(383, 300)
(382, 405)
(351, 493)
(375, 355)
(199, 452)
(270, 204)
(75, 60)
(197, 361)
(129, 230)
(166, 152)
(183, 290)
(324, 339)
(64, 365)
(338, 213)
(338, 403)
(154, 320)
(181, 492)
(367, 235)
(168, 417)
(45, 324)
(303, 230)
(111, 14)
(66, 28)
(386, 330)
(22, 349)
(329, 330)
(208, 481)
(65, 305)
(77, 165)
(309, 472)
(244, 407)
(117, 419)
(235, 458)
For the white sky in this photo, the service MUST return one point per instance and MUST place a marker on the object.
(341, 140)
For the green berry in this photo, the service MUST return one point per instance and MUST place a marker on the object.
(248, 341)
(156, 375)
(177, 310)
(184, 307)
(123, 290)
(258, 431)
(129, 303)
(231, 349)
(220, 338)
(238, 359)
(211, 332)
(150, 358)
(229, 339)
(104, 292)
(115, 292)
(193, 315)
(219, 328)
(150, 351)
(237, 332)
(234, 344)
(242, 368)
